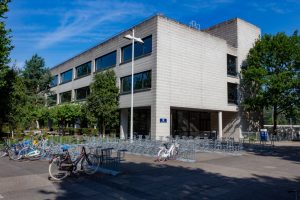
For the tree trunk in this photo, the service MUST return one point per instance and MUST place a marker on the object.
(37, 124)
(275, 116)
(103, 129)
(261, 119)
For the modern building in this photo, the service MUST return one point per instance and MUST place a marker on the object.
(186, 80)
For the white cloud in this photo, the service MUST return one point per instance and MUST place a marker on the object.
(89, 15)
(207, 4)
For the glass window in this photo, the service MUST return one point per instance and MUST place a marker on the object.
(140, 49)
(52, 100)
(54, 81)
(83, 69)
(141, 81)
(66, 76)
(232, 93)
(82, 93)
(231, 65)
(65, 97)
(106, 61)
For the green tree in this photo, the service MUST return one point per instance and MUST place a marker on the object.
(18, 107)
(37, 79)
(103, 101)
(6, 74)
(65, 114)
(5, 44)
(271, 75)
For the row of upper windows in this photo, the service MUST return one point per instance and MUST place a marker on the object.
(106, 61)
(142, 81)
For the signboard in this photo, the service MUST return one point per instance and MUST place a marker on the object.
(163, 120)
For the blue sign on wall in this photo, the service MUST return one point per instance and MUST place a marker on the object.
(163, 120)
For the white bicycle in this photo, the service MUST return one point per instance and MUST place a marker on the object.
(166, 153)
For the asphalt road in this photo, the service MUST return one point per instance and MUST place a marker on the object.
(254, 175)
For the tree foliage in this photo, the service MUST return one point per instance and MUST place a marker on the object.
(271, 76)
(37, 79)
(65, 114)
(7, 75)
(103, 101)
(5, 45)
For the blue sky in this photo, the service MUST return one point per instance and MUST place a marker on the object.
(60, 29)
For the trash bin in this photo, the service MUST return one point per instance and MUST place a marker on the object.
(264, 136)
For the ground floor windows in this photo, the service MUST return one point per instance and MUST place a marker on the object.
(52, 99)
(82, 93)
(65, 97)
(141, 121)
(190, 123)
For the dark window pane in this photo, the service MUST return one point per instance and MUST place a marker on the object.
(126, 84)
(84, 69)
(138, 81)
(126, 53)
(65, 97)
(54, 81)
(66, 76)
(52, 100)
(141, 81)
(147, 45)
(140, 49)
(231, 65)
(147, 79)
(232, 93)
(106, 61)
(82, 93)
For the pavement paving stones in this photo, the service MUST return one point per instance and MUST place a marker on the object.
(254, 175)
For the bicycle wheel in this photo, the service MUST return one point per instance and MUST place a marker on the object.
(90, 164)
(3, 151)
(13, 154)
(55, 171)
(174, 153)
(161, 155)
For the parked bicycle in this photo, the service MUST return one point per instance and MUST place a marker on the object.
(166, 153)
(61, 165)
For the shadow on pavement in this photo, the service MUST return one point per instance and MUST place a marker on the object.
(160, 181)
(291, 153)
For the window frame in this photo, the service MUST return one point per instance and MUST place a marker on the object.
(143, 83)
(87, 74)
(60, 95)
(229, 73)
(61, 81)
(230, 100)
(53, 80)
(107, 67)
(135, 57)
(76, 90)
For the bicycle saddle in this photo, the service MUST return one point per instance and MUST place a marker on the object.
(65, 147)
(26, 142)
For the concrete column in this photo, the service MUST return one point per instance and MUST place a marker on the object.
(124, 124)
(57, 98)
(93, 66)
(220, 125)
(72, 95)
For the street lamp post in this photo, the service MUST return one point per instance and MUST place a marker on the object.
(133, 39)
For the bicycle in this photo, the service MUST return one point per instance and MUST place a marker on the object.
(166, 153)
(61, 165)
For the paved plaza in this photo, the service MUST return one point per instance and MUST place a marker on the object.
(265, 174)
